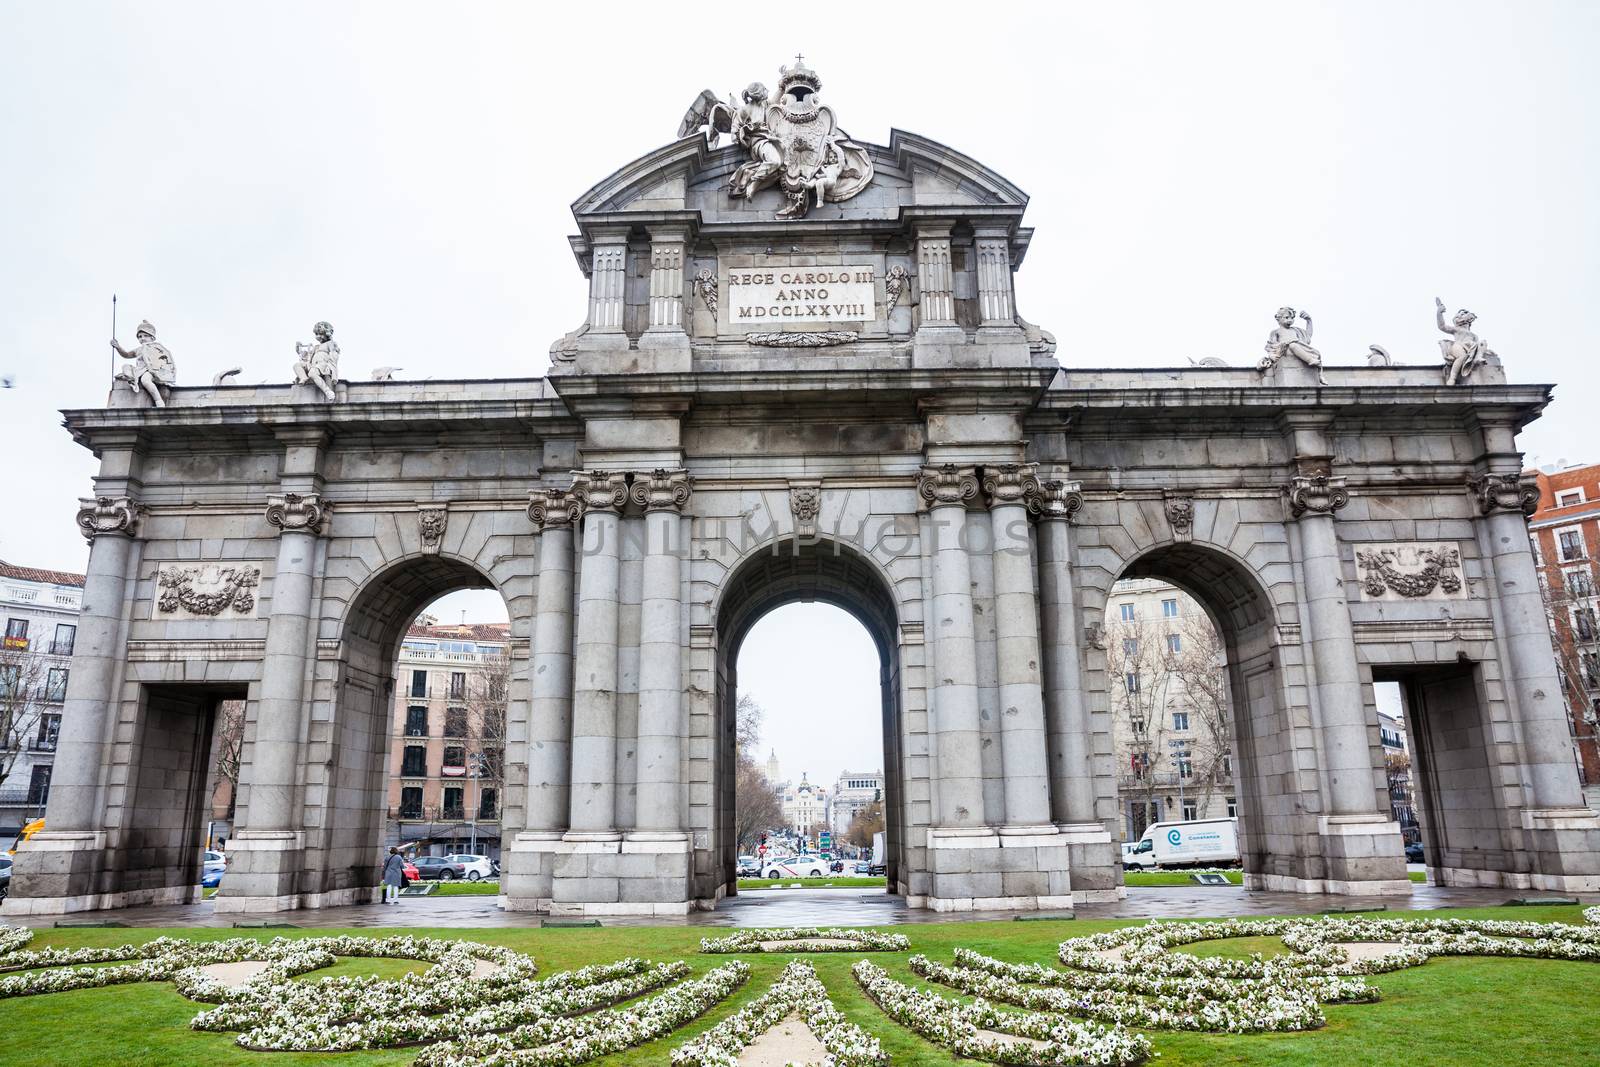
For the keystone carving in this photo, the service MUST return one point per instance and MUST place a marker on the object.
(1056, 500)
(108, 514)
(1318, 493)
(431, 522)
(552, 509)
(600, 490)
(824, 339)
(207, 590)
(1010, 483)
(1505, 492)
(1180, 514)
(947, 484)
(662, 489)
(1381, 571)
(805, 503)
(297, 512)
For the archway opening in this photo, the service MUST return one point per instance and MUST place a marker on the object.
(1194, 690)
(809, 632)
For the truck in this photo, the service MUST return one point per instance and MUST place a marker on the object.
(880, 854)
(1200, 843)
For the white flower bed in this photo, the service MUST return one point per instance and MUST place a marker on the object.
(805, 938)
(797, 991)
(960, 1027)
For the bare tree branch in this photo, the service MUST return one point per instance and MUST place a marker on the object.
(24, 679)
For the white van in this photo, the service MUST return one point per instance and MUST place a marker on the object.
(1201, 843)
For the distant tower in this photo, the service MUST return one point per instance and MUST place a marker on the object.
(772, 767)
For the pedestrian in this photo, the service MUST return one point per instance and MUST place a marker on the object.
(394, 876)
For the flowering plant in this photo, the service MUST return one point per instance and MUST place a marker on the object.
(807, 939)
(796, 992)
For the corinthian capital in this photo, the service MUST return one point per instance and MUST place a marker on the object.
(1009, 483)
(661, 489)
(947, 484)
(109, 514)
(553, 509)
(600, 490)
(298, 512)
(1319, 493)
(1505, 492)
(1055, 500)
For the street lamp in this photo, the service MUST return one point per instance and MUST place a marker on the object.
(476, 764)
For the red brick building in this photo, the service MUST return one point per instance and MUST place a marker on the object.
(1566, 542)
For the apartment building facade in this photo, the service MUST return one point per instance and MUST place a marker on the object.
(40, 609)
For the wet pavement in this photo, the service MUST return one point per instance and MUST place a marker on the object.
(798, 907)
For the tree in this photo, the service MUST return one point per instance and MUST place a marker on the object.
(1200, 667)
(229, 742)
(1140, 673)
(24, 681)
(866, 822)
(756, 805)
(1568, 588)
(488, 690)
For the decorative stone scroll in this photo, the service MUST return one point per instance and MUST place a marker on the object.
(1411, 571)
(947, 484)
(600, 490)
(432, 518)
(207, 591)
(298, 512)
(1505, 492)
(661, 489)
(813, 339)
(108, 514)
(1316, 493)
(706, 284)
(1056, 500)
(805, 504)
(550, 509)
(1010, 483)
(1180, 514)
(894, 283)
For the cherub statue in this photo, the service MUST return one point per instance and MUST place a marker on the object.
(748, 124)
(1464, 352)
(318, 363)
(152, 366)
(1289, 339)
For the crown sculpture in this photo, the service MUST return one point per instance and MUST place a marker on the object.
(795, 143)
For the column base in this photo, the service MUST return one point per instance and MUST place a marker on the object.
(15, 905)
(527, 869)
(1358, 855)
(256, 905)
(981, 869)
(1096, 863)
(265, 865)
(1565, 843)
(606, 874)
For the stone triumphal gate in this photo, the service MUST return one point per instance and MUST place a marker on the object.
(802, 376)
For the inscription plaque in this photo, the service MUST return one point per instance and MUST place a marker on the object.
(772, 296)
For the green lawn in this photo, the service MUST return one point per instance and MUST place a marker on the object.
(836, 881)
(466, 889)
(1450, 1011)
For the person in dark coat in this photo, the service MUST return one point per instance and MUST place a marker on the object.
(394, 876)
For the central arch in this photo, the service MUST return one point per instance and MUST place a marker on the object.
(787, 572)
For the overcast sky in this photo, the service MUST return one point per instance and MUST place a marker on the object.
(236, 172)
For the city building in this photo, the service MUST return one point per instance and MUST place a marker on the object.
(1397, 768)
(1169, 707)
(852, 793)
(805, 807)
(40, 608)
(448, 738)
(1565, 530)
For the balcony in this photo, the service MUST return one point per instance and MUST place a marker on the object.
(42, 744)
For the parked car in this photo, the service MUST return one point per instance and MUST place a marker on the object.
(747, 867)
(5, 876)
(878, 870)
(1414, 853)
(410, 873)
(477, 867)
(215, 860)
(863, 867)
(439, 868)
(797, 867)
(837, 866)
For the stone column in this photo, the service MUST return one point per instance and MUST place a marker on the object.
(666, 280)
(1313, 499)
(994, 279)
(1071, 747)
(110, 524)
(1016, 607)
(935, 281)
(550, 708)
(608, 274)
(661, 727)
(1505, 501)
(947, 489)
(594, 696)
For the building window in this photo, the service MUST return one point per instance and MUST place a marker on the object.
(10, 679)
(458, 685)
(486, 804)
(1591, 669)
(1180, 720)
(1136, 722)
(66, 637)
(419, 683)
(55, 685)
(49, 730)
(453, 808)
(455, 759)
(1233, 807)
(1580, 583)
(1131, 681)
(39, 784)
(1584, 620)
(1569, 545)
(411, 802)
(1169, 609)
(1568, 497)
(1185, 761)
(1174, 643)
(1191, 811)
(455, 722)
(1227, 765)
(1130, 647)
(1128, 612)
(416, 721)
(17, 634)
(493, 762)
(1141, 763)
(415, 763)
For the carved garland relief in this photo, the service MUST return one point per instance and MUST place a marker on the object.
(1411, 571)
(207, 591)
